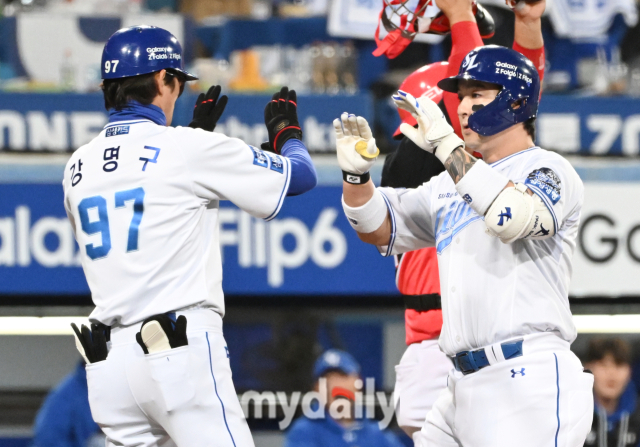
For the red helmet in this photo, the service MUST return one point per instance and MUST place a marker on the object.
(404, 19)
(423, 81)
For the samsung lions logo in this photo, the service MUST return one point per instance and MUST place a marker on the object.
(505, 215)
(469, 62)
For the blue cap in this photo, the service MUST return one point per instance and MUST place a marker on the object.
(335, 360)
(518, 78)
(140, 50)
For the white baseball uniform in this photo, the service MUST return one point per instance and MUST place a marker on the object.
(494, 292)
(143, 200)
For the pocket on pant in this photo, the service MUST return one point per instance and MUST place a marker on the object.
(580, 411)
(170, 370)
(100, 390)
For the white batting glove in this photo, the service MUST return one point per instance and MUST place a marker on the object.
(434, 134)
(355, 146)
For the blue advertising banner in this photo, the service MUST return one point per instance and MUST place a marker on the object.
(589, 125)
(64, 122)
(308, 249)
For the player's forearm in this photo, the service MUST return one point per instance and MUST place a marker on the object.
(303, 173)
(357, 195)
(381, 236)
(528, 33)
(367, 213)
(459, 163)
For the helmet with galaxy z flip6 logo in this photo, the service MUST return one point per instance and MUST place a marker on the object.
(519, 95)
(140, 50)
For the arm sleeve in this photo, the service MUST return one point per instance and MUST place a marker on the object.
(303, 173)
(229, 169)
(555, 181)
(536, 56)
(411, 219)
(464, 37)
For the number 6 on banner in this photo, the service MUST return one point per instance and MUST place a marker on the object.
(91, 225)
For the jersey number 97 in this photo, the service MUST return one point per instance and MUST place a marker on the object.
(101, 224)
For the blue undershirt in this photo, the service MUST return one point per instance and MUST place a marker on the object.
(303, 173)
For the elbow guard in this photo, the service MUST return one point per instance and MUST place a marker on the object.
(515, 214)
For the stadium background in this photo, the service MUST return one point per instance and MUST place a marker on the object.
(294, 286)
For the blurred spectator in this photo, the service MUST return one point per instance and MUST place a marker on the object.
(65, 418)
(616, 420)
(342, 373)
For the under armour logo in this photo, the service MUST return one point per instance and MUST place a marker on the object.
(514, 372)
(543, 231)
(227, 351)
(506, 214)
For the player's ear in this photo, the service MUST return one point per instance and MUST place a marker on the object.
(159, 79)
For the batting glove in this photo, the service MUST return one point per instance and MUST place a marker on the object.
(356, 147)
(208, 109)
(160, 333)
(281, 119)
(92, 343)
(434, 134)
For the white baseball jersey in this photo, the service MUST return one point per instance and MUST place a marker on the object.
(493, 291)
(143, 200)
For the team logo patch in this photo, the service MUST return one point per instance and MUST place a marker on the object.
(547, 181)
(259, 157)
(514, 372)
(117, 130)
(505, 216)
(277, 164)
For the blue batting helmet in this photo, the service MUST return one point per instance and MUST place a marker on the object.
(140, 50)
(518, 99)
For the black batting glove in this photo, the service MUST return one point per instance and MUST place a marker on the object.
(281, 119)
(163, 333)
(93, 342)
(208, 109)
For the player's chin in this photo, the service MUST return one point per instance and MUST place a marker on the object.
(471, 139)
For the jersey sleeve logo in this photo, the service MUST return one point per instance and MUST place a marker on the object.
(277, 164)
(259, 157)
(546, 181)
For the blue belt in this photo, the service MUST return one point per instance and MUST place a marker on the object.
(468, 362)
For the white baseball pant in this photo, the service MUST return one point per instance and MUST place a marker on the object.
(420, 377)
(541, 399)
(182, 397)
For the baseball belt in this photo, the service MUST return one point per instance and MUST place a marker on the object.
(422, 303)
(468, 362)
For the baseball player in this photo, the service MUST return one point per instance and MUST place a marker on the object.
(423, 369)
(143, 200)
(504, 228)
